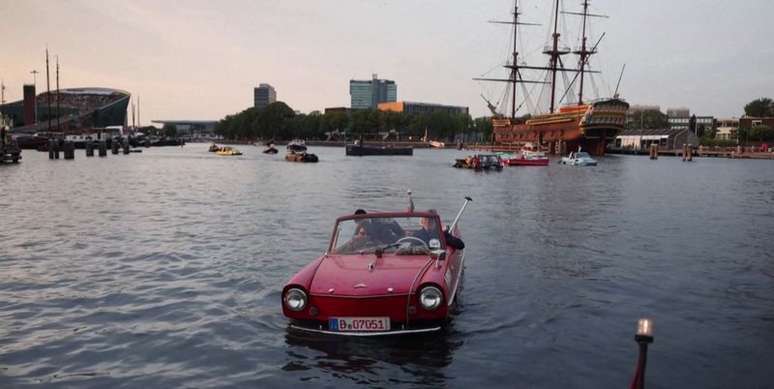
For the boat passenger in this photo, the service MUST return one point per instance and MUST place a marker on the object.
(430, 231)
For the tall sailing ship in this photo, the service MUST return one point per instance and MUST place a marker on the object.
(580, 123)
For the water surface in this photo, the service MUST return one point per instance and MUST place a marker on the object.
(164, 269)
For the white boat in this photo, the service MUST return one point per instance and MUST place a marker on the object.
(436, 144)
(578, 158)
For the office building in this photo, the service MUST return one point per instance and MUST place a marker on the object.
(421, 108)
(263, 95)
(367, 94)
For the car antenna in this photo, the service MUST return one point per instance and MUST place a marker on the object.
(411, 201)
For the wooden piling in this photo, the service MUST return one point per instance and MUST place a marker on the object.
(102, 149)
(89, 149)
(690, 153)
(114, 147)
(125, 146)
(68, 150)
(653, 151)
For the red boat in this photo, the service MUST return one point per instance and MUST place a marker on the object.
(384, 273)
(529, 156)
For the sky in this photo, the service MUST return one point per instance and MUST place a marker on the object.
(200, 59)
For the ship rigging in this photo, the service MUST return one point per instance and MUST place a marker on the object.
(584, 124)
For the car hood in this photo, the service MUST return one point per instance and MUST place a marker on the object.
(350, 275)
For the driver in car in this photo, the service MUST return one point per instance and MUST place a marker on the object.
(430, 231)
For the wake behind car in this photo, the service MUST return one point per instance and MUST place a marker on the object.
(383, 273)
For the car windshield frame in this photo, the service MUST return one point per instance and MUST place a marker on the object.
(386, 217)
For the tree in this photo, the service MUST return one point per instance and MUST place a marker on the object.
(648, 119)
(272, 122)
(763, 107)
(483, 125)
(762, 133)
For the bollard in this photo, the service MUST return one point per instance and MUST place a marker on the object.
(102, 149)
(68, 150)
(643, 337)
(89, 149)
(690, 153)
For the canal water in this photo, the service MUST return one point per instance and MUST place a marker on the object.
(164, 269)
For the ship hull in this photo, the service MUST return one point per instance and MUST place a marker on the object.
(589, 126)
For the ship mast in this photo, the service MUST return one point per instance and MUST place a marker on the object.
(584, 53)
(555, 55)
(514, 70)
(515, 76)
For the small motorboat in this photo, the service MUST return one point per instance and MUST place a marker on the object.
(578, 158)
(437, 145)
(228, 151)
(301, 157)
(214, 148)
(529, 156)
(383, 273)
(296, 146)
(480, 162)
(271, 150)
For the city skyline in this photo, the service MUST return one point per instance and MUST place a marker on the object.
(203, 62)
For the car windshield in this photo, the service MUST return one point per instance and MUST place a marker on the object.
(583, 154)
(410, 235)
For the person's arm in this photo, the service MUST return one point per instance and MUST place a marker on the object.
(453, 241)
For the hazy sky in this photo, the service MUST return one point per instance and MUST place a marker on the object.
(201, 59)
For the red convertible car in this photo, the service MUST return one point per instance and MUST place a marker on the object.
(384, 273)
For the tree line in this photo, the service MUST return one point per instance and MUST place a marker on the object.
(280, 122)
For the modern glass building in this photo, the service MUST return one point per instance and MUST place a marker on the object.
(264, 95)
(367, 94)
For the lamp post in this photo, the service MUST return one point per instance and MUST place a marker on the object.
(644, 337)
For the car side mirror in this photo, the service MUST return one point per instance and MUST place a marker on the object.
(438, 254)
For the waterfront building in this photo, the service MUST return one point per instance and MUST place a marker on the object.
(666, 138)
(748, 122)
(30, 106)
(263, 95)
(727, 128)
(345, 110)
(367, 94)
(681, 119)
(191, 129)
(421, 108)
(678, 118)
(73, 109)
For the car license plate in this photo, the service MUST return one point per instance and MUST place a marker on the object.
(359, 324)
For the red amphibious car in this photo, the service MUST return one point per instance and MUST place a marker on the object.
(384, 273)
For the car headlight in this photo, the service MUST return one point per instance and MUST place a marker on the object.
(295, 299)
(430, 298)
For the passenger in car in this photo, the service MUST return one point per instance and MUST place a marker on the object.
(430, 231)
